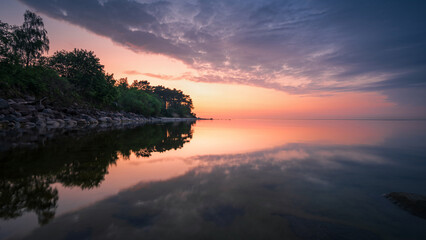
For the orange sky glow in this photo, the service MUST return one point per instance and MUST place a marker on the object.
(218, 100)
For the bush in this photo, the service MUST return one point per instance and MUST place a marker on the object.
(133, 100)
(38, 81)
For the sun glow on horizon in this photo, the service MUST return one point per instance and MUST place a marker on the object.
(219, 100)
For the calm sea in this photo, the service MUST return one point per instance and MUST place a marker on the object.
(221, 179)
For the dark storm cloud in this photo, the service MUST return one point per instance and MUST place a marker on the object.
(129, 23)
(295, 46)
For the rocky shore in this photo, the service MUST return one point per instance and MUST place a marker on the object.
(31, 113)
(24, 121)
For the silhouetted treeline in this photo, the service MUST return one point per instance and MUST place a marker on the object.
(75, 76)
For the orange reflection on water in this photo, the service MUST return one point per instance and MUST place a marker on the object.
(238, 136)
(241, 136)
(219, 137)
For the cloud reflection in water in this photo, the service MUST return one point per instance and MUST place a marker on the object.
(296, 191)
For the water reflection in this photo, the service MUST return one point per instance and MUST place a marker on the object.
(296, 191)
(233, 180)
(27, 175)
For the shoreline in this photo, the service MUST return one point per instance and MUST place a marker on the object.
(27, 123)
(29, 113)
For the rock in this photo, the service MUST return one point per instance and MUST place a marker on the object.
(58, 114)
(22, 119)
(30, 110)
(70, 111)
(18, 114)
(5, 111)
(30, 98)
(29, 125)
(81, 121)
(3, 104)
(19, 100)
(48, 111)
(411, 202)
(52, 124)
(71, 123)
(92, 121)
(11, 118)
(38, 117)
(105, 120)
(19, 107)
(89, 119)
(15, 124)
(41, 123)
(61, 122)
(39, 107)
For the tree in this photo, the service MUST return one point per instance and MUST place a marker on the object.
(142, 85)
(30, 39)
(175, 103)
(137, 101)
(83, 69)
(5, 40)
(122, 84)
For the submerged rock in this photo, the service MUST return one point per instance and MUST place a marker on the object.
(411, 202)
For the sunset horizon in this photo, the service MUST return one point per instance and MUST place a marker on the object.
(301, 79)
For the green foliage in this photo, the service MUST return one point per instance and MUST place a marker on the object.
(30, 40)
(175, 102)
(7, 54)
(156, 100)
(143, 86)
(83, 69)
(5, 40)
(75, 76)
(39, 81)
(137, 101)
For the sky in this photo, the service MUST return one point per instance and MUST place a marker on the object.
(255, 59)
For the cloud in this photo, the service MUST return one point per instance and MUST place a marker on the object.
(294, 46)
(165, 77)
(132, 72)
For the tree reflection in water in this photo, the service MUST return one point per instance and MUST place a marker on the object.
(27, 175)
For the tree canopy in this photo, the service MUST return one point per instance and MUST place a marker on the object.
(30, 40)
(76, 76)
(83, 69)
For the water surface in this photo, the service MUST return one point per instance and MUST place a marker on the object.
(255, 179)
